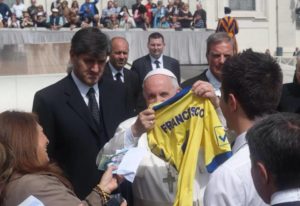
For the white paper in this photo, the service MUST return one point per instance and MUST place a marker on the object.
(130, 163)
(31, 201)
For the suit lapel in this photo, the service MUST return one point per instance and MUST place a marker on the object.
(167, 64)
(203, 76)
(77, 103)
(107, 72)
(125, 75)
(148, 64)
(107, 94)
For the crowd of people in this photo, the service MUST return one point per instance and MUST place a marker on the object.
(101, 107)
(151, 15)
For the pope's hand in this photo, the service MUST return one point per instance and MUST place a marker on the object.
(206, 90)
(144, 122)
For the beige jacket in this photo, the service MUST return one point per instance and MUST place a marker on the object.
(47, 188)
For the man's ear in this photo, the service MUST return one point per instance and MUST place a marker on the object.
(263, 173)
(232, 102)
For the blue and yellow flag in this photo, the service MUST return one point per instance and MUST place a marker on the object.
(184, 124)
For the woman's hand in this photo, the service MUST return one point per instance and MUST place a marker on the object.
(110, 182)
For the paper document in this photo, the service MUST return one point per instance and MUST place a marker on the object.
(31, 201)
(127, 161)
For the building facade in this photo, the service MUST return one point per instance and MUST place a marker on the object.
(264, 24)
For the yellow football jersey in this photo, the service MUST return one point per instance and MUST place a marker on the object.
(183, 125)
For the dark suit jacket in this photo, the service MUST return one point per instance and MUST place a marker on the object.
(131, 86)
(191, 81)
(75, 139)
(143, 65)
(290, 98)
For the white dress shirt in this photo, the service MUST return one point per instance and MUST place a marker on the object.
(231, 184)
(161, 62)
(83, 89)
(215, 83)
(291, 195)
(114, 71)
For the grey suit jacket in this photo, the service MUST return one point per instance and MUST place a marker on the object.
(47, 188)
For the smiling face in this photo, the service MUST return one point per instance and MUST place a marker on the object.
(42, 146)
(88, 69)
(156, 47)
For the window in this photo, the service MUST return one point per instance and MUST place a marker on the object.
(127, 3)
(248, 5)
(256, 9)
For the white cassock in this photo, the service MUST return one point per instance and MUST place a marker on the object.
(156, 180)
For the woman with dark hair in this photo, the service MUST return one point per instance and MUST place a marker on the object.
(75, 7)
(124, 9)
(290, 96)
(29, 172)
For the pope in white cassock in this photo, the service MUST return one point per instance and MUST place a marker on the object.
(156, 180)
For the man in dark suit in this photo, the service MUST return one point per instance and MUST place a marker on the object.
(116, 72)
(80, 113)
(274, 145)
(219, 48)
(155, 59)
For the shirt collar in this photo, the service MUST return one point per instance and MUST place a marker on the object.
(290, 195)
(114, 70)
(214, 81)
(83, 88)
(160, 59)
(240, 141)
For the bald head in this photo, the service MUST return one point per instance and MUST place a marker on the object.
(119, 52)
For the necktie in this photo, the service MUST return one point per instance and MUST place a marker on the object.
(118, 77)
(93, 106)
(157, 63)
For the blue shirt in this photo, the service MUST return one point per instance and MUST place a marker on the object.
(5, 11)
(88, 6)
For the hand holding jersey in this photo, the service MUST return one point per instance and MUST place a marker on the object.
(146, 118)
(144, 122)
(206, 90)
